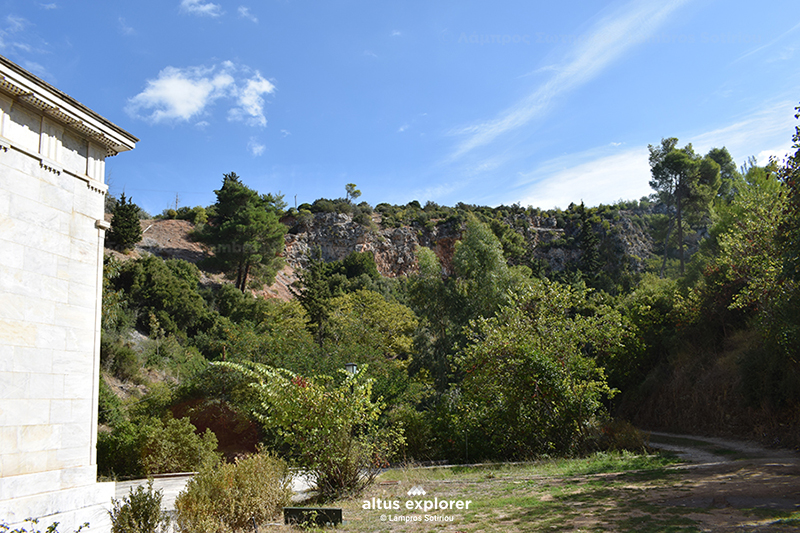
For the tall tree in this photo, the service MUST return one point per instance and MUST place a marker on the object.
(589, 244)
(727, 172)
(125, 228)
(682, 179)
(244, 231)
(789, 231)
(313, 291)
(352, 192)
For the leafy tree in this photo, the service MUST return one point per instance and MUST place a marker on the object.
(682, 180)
(313, 291)
(789, 231)
(483, 276)
(589, 244)
(245, 232)
(260, 330)
(727, 172)
(352, 192)
(360, 263)
(437, 303)
(331, 427)
(530, 385)
(365, 319)
(125, 228)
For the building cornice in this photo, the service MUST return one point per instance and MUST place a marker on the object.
(27, 88)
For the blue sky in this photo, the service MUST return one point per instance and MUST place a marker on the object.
(541, 103)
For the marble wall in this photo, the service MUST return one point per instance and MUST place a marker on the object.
(52, 158)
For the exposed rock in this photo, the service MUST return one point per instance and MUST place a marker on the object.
(336, 236)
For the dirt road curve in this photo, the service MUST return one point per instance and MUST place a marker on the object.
(733, 485)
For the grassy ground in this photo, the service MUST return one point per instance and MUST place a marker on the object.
(604, 492)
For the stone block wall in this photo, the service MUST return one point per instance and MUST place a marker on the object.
(51, 249)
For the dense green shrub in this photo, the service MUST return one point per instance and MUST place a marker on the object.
(195, 215)
(125, 228)
(118, 451)
(139, 511)
(530, 368)
(332, 428)
(176, 447)
(109, 405)
(229, 497)
(167, 289)
(119, 358)
(323, 205)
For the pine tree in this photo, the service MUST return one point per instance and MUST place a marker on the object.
(125, 228)
(245, 231)
(589, 243)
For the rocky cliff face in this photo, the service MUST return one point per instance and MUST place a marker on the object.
(336, 235)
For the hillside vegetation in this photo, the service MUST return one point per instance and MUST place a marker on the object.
(479, 333)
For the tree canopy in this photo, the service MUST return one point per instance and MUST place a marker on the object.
(244, 231)
(684, 181)
(125, 228)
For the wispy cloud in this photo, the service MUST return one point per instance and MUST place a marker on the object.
(124, 28)
(255, 147)
(244, 12)
(607, 174)
(761, 132)
(769, 44)
(48, 6)
(605, 43)
(396, 33)
(604, 179)
(251, 101)
(36, 68)
(15, 23)
(19, 42)
(199, 7)
(181, 94)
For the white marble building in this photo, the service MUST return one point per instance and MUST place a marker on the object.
(52, 165)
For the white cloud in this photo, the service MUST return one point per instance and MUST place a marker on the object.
(251, 101)
(198, 7)
(285, 133)
(18, 41)
(182, 94)
(762, 132)
(605, 43)
(36, 68)
(605, 179)
(48, 6)
(771, 43)
(255, 147)
(15, 23)
(402, 128)
(124, 28)
(244, 12)
(397, 33)
(597, 176)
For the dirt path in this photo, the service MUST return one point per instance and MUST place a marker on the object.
(728, 485)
